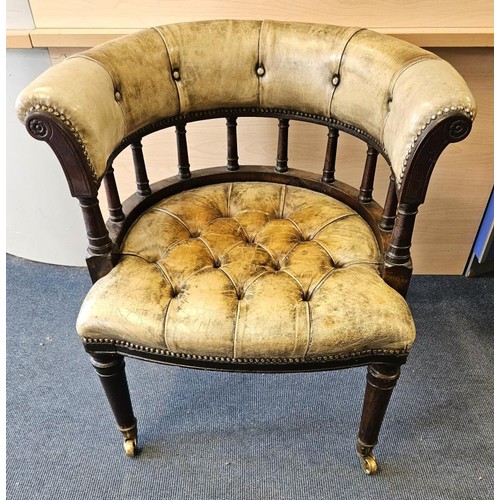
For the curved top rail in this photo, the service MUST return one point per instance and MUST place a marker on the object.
(387, 88)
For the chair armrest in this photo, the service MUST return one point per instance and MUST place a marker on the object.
(423, 95)
(75, 99)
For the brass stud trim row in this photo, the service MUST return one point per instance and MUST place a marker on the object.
(165, 352)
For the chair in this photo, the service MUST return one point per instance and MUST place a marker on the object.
(250, 268)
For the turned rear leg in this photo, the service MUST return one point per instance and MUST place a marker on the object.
(111, 371)
(380, 382)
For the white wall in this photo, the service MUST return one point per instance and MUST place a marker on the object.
(43, 221)
(18, 15)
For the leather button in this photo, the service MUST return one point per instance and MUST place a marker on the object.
(261, 71)
(176, 75)
(118, 96)
(335, 80)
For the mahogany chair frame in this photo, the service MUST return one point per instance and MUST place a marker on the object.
(392, 226)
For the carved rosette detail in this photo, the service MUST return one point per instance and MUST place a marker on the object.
(459, 129)
(42, 130)
(39, 129)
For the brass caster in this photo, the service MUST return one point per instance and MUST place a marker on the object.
(368, 464)
(130, 446)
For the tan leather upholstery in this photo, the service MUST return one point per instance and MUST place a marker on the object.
(249, 270)
(382, 86)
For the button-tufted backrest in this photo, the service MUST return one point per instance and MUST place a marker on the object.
(374, 84)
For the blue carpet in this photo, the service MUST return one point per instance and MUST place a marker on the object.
(210, 435)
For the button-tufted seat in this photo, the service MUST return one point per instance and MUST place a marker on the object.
(249, 270)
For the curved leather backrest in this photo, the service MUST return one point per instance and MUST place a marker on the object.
(385, 87)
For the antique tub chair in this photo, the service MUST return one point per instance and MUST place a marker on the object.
(250, 268)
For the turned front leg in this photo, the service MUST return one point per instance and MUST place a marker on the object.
(380, 382)
(111, 371)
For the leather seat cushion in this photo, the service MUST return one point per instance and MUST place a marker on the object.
(249, 270)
